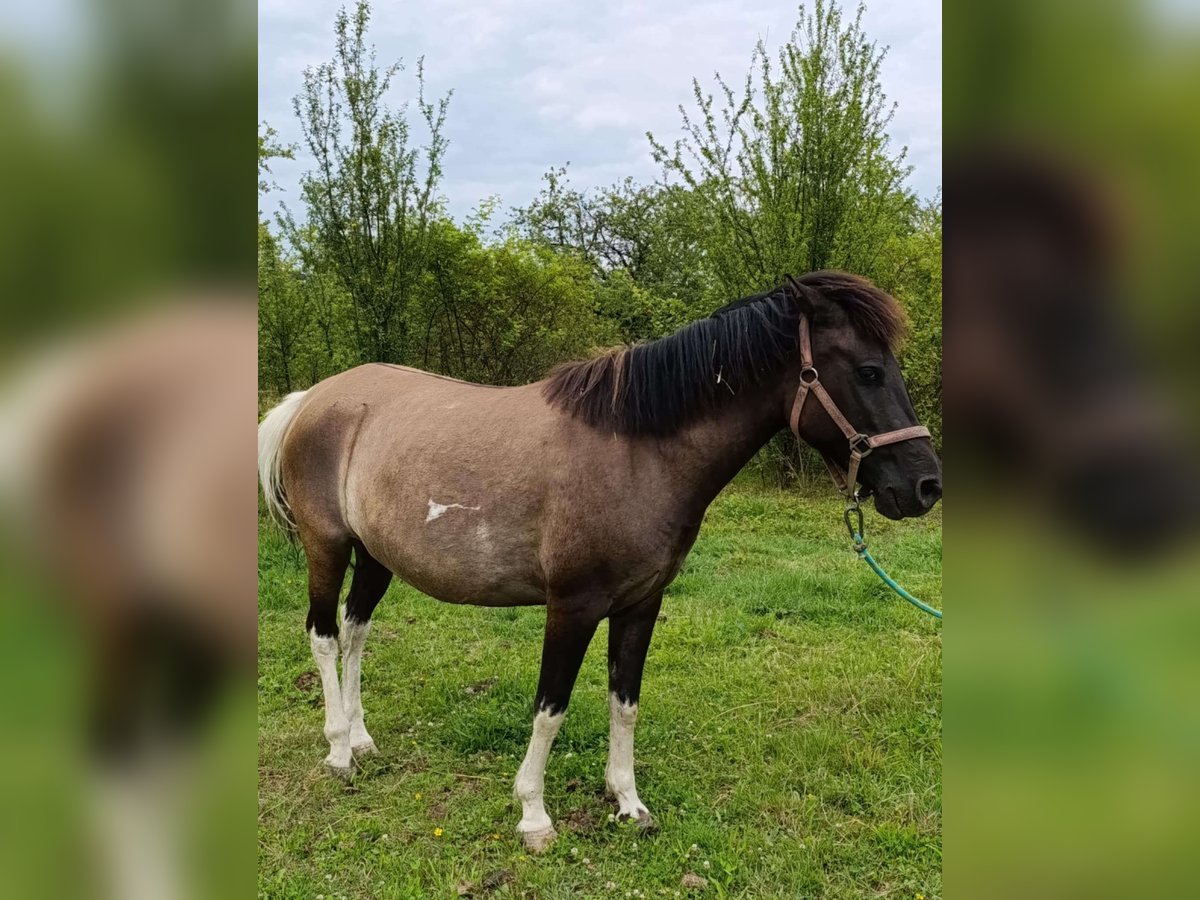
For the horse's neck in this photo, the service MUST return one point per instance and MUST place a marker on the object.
(711, 452)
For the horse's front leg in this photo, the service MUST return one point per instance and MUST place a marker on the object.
(570, 624)
(629, 632)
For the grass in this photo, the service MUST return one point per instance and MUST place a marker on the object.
(789, 742)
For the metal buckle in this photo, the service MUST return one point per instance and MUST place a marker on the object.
(861, 444)
(856, 534)
(806, 371)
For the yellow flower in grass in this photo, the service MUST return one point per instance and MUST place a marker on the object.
(417, 795)
(437, 832)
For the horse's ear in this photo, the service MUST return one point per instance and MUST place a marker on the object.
(802, 295)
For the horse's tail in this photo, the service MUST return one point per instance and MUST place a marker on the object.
(271, 431)
(31, 408)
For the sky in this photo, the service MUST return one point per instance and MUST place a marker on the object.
(542, 83)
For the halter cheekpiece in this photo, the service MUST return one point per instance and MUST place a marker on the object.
(861, 444)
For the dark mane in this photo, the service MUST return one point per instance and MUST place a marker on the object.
(657, 387)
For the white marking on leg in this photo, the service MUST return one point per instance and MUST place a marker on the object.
(353, 637)
(535, 823)
(436, 509)
(337, 727)
(618, 775)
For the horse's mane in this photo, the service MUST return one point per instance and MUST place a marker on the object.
(655, 388)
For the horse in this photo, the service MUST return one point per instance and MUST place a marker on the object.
(582, 492)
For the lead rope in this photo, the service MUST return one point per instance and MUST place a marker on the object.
(860, 547)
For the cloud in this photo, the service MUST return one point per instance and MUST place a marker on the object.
(537, 83)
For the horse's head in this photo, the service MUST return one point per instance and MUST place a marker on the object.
(851, 403)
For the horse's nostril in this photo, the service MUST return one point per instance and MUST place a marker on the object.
(929, 491)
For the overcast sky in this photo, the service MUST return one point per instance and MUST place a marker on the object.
(538, 84)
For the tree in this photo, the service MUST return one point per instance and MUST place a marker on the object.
(792, 173)
(282, 314)
(372, 198)
(637, 240)
(268, 149)
(505, 312)
(913, 273)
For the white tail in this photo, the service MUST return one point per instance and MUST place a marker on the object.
(271, 431)
(32, 403)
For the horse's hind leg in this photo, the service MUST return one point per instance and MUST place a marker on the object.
(327, 561)
(367, 588)
(628, 640)
(570, 625)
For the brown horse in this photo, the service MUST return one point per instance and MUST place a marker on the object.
(583, 492)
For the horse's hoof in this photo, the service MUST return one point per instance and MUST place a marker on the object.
(339, 771)
(364, 750)
(537, 841)
(642, 819)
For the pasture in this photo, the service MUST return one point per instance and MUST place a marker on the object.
(788, 744)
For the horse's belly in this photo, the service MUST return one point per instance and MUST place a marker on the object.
(470, 568)
(455, 581)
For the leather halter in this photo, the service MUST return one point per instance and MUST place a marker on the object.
(861, 444)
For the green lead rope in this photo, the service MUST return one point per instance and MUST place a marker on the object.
(860, 547)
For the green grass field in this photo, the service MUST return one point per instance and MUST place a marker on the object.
(788, 745)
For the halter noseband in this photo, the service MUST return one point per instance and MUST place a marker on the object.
(861, 444)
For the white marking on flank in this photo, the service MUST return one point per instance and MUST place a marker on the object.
(436, 509)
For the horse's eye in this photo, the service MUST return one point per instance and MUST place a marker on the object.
(870, 374)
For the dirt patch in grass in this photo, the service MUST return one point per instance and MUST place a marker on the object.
(438, 812)
(581, 821)
(497, 880)
(306, 682)
(481, 687)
